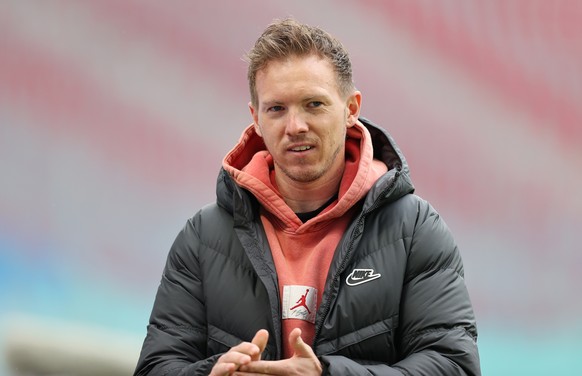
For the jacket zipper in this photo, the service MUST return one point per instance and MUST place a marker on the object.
(358, 228)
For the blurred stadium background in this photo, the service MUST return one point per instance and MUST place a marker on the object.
(115, 116)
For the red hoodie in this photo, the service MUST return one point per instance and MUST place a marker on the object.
(302, 252)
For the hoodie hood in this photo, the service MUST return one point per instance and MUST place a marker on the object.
(370, 153)
(233, 180)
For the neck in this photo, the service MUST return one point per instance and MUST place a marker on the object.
(305, 197)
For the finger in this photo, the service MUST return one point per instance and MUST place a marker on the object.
(263, 367)
(244, 373)
(229, 362)
(221, 369)
(235, 357)
(260, 340)
(247, 348)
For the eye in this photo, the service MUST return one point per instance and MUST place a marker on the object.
(275, 109)
(315, 104)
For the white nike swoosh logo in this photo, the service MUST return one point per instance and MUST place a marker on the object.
(359, 276)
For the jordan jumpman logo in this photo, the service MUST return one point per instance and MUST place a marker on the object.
(302, 302)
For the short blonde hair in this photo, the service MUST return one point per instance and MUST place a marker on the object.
(285, 38)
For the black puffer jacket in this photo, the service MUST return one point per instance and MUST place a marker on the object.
(219, 287)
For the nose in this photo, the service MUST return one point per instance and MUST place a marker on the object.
(296, 124)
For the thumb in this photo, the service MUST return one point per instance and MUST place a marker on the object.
(302, 349)
(260, 339)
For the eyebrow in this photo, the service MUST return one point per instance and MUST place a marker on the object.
(318, 97)
(305, 99)
(271, 103)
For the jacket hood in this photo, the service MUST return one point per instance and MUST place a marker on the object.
(396, 182)
(385, 148)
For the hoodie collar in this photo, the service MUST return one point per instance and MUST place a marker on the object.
(251, 167)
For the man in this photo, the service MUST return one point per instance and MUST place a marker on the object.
(317, 258)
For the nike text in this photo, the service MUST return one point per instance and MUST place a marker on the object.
(359, 276)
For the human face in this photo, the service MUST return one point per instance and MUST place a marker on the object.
(303, 118)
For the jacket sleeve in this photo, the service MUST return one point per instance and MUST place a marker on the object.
(437, 332)
(175, 343)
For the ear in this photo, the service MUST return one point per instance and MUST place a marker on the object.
(255, 116)
(353, 106)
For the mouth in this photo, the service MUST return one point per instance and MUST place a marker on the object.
(300, 148)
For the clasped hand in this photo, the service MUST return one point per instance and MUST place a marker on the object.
(245, 358)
